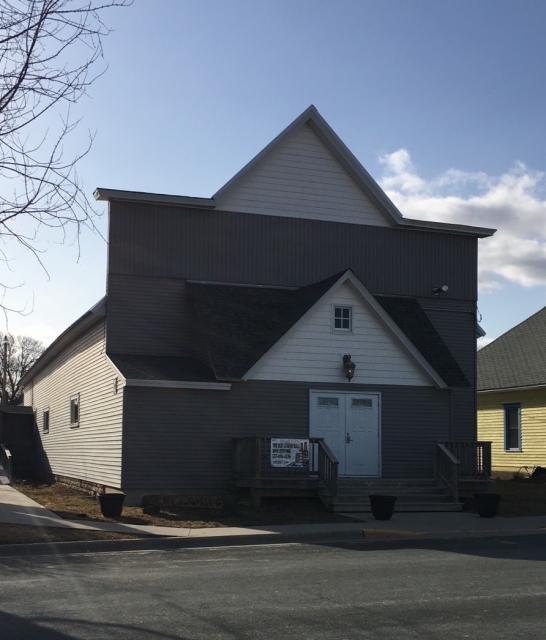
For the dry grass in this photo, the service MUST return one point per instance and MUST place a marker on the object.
(274, 511)
(521, 498)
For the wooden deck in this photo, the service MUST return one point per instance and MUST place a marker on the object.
(456, 464)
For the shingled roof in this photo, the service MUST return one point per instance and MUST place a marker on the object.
(139, 367)
(414, 322)
(517, 358)
(239, 324)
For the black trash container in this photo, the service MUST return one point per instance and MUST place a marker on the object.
(111, 504)
(382, 506)
(487, 504)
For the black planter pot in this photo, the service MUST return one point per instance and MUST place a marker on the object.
(111, 504)
(382, 506)
(487, 504)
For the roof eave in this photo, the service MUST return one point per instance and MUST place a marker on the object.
(507, 389)
(480, 232)
(82, 324)
(109, 195)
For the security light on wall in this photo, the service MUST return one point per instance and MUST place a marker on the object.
(348, 366)
(438, 290)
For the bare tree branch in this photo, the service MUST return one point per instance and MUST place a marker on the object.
(50, 53)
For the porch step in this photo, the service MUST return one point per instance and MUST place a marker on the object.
(413, 494)
(410, 507)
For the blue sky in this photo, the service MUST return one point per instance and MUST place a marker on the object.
(442, 102)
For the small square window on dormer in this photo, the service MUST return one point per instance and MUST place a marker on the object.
(343, 319)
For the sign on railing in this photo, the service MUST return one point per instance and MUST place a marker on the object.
(289, 452)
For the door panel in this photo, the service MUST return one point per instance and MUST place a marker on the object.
(327, 413)
(362, 435)
(349, 424)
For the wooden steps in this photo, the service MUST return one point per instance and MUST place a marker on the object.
(413, 495)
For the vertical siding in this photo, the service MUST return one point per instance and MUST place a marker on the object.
(313, 352)
(151, 316)
(222, 246)
(301, 178)
(91, 451)
(456, 325)
(191, 451)
(533, 428)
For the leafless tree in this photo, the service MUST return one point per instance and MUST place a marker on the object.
(50, 53)
(22, 353)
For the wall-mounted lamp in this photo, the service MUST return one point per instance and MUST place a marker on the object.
(438, 290)
(348, 366)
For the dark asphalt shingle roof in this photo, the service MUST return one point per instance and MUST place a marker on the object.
(162, 368)
(517, 358)
(416, 325)
(239, 324)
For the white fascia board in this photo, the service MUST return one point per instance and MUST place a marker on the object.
(115, 369)
(394, 329)
(153, 198)
(178, 384)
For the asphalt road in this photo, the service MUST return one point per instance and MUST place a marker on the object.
(486, 589)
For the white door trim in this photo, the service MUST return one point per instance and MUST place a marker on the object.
(379, 419)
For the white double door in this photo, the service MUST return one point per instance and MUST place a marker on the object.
(349, 424)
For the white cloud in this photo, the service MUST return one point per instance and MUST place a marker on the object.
(512, 203)
(40, 332)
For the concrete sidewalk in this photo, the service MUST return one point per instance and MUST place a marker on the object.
(16, 508)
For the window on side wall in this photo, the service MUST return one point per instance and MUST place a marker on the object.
(512, 427)
(75, 410)
(45, 421)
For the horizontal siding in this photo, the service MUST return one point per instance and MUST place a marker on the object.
(151, 316)
(222, 246)
(91, 451)
(181, 440)
(312, 352)
(302, 179)
(533, 428)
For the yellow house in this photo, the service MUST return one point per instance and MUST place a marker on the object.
(512, 397)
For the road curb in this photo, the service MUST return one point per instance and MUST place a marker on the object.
(382, 539)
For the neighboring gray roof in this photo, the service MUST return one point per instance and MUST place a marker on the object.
(89, 318)
(137, 367)
(517, 358)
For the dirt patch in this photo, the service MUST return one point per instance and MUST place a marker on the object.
(521, 498)
(274, 511)
(25, 534)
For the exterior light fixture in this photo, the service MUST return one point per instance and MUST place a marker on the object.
(348, 366)
(438, 290)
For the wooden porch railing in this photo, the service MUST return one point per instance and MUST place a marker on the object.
(328, 466)
(6, 462)
(446, 469)
(474, 458)
(251, 459)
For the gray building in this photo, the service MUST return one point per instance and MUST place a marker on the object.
(228, 319)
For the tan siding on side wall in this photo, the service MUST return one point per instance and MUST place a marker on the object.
(91, 451)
